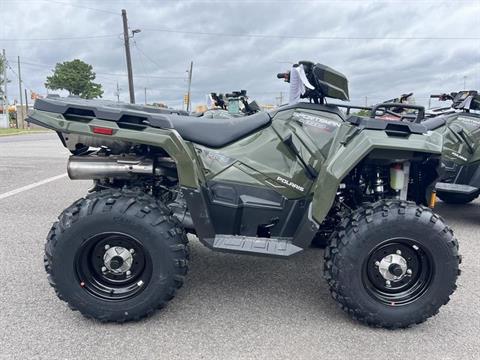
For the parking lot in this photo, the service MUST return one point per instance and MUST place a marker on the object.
(232, 306)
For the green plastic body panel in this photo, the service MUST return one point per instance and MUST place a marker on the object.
(461, 138)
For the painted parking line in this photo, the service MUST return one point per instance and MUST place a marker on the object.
(31, 186)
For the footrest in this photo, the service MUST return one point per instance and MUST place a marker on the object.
(456, 188)
(255, 245)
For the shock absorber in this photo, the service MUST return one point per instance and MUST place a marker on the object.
(379, 189)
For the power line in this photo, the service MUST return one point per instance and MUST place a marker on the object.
(40, 65)
(276, 1)
(141, 75)
(143, 70)
(81, 7)
(262, 36)
(151, 59)
(145, 55)
(62, 38)
(307, 37)
(16, 75)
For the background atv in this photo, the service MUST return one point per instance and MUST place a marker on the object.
(263, 184)
(460, 126)
(231, 105)
(461, 182)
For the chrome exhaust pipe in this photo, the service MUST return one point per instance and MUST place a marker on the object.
(97, 168)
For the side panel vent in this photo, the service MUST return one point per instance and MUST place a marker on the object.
(77, 114)
(132, 122)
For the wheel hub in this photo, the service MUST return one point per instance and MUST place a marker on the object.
(393, 267)
(118, 260)
(397, 271)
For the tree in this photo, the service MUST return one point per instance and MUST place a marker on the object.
(363, 113)
(76, 77)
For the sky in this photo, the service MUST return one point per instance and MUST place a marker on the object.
(385, 48)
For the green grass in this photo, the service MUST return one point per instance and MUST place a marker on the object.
(12, 131)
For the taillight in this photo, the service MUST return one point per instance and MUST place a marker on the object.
(102, 130)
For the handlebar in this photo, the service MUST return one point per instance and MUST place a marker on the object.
(285, 76)
(442, 97)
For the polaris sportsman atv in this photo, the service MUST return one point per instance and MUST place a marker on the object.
(264, 184)
(461, 181)
(231, 105)
(460, 125)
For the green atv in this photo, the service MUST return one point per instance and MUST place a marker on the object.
(264, 184)
(461, 155)
(459, 125)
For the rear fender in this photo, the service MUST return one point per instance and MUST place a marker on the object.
(169, 140)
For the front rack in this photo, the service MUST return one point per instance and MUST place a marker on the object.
(378, 107)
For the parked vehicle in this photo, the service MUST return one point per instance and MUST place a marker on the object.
(459, 123)
(234, 104)
(461, 182)
(264, 184)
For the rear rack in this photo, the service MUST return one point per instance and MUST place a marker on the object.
(77, 109)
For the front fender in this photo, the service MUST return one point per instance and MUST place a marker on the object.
(343, 158)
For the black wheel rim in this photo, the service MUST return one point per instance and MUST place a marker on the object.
(400, 286)
(113, 284)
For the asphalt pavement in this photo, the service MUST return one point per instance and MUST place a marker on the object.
(231, 306)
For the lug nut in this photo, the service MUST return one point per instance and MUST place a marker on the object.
(104, 269)
(377, 263)
(409, 271)
(415, 247)
(107, 247)
(128, 273)
(388, 283)
(399, 252)
(132, 251)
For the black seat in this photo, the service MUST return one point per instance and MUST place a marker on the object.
(216, 133)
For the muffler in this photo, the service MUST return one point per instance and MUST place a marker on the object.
(96, 167)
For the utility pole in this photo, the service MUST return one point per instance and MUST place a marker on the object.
(117, 93)
(26, 106)
(145, 89)
(5, 95)
(366, 101)
(126, 38)
(22, 117)
(465, 82)
(280, 99)
(5, 80)
(189, 101)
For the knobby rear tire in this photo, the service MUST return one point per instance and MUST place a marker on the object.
(135, 214)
